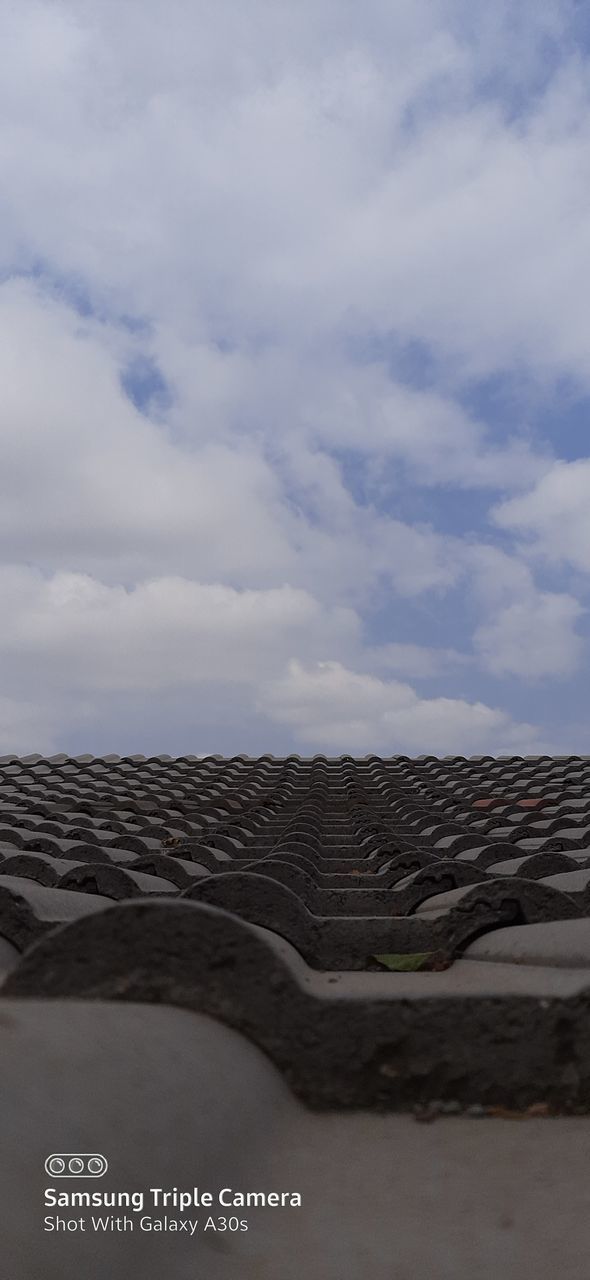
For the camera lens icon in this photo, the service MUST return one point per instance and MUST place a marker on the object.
(76, 1165)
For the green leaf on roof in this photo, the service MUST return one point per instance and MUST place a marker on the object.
(407, 963)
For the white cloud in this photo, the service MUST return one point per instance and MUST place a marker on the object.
(71, 636)
(73, 632)
(525, 631)
(414, 660)
(555, 515)
(90, 483)
(88, 478)
(326, 172)
(75, 638)
(533, 637)
(360, 407)
(332, 708)
(272, 202)
(26, 727)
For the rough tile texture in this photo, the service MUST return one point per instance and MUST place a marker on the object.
(157, 1090)
(266, 893)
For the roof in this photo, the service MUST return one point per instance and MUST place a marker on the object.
(223, 949)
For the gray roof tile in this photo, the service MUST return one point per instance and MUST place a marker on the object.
(382, 1195)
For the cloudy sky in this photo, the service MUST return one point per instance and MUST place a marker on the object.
(295, 369)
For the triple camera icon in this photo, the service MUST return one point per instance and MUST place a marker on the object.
(76, 1164)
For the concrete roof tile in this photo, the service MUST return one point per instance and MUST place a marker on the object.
(382, 1195)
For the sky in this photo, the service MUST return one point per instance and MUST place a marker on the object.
(294, 359)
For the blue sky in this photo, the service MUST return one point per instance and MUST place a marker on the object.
(294, 330)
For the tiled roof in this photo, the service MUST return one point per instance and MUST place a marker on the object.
(393, 933)
(242, 973)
